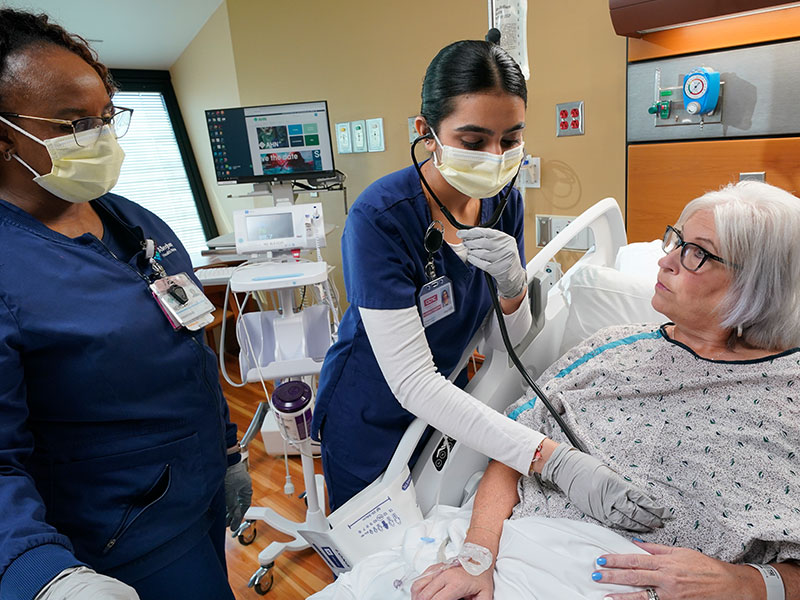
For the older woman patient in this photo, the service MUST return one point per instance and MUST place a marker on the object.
(702, 412)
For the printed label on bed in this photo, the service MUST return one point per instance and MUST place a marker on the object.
(436, 301)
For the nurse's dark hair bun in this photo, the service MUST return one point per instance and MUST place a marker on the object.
(467, 67)
(19, 30)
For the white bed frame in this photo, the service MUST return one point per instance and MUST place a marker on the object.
(497, 383)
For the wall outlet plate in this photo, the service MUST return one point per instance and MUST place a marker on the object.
(549, 226)
(375, 142)
(343, 140)
(358, 130)
(412, 129)
(569, 119)
(530, 173)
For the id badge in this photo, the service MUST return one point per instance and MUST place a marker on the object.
(436, 300)
(183, 303)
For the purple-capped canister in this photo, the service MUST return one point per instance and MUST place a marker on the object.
(293, 406)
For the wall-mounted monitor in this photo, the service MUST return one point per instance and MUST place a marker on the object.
(278, 142)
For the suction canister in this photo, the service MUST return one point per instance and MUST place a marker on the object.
(293, 405)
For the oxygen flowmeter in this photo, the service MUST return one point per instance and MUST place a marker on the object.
(701, 91)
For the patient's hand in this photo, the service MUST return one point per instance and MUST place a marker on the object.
(452, 584)
(678, 573)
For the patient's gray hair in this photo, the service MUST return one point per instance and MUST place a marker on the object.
(759, 231)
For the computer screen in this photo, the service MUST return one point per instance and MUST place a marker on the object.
(268, 227)
(278, 142)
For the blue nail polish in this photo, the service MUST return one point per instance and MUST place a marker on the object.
(597, 575)
(601, 561)
(638, 540)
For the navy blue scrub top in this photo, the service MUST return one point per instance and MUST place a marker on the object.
(384, 259)
(114, 429)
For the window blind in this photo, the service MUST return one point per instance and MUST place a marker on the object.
(153, 174)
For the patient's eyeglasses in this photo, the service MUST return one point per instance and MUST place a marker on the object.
(118, 122)
(692, 256)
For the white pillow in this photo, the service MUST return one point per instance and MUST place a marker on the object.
(602, 296)
(640, 258)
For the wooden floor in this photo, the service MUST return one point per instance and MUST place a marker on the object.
(296, 574)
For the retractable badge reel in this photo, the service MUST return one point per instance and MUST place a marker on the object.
(183, 303)
(436, 299)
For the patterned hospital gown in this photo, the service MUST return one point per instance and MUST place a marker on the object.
(715, 441)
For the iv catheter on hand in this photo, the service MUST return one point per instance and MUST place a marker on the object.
(493, 293)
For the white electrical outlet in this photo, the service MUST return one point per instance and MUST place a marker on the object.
(412, 129)
(530, 172)
(343, 140)
(359, 133)
(375, 135)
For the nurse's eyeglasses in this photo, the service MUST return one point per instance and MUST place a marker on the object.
(118, 122)
(692, 256)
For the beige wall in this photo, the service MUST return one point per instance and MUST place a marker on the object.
(204, 77)
(367, 59)
(584, 61)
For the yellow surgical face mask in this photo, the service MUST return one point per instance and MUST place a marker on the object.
(79, 174)
(474, 173)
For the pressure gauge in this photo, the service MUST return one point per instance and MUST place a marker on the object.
(701, 91)
(695, 86)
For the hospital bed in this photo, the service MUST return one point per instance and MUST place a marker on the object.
(611, 284)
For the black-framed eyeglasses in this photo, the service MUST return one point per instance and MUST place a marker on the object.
(692, 256)
(87, 130)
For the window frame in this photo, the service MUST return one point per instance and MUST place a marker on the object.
(146, 80)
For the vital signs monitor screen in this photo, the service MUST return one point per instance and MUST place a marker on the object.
(271, 143)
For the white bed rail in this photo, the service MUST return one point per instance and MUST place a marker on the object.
(497, 383)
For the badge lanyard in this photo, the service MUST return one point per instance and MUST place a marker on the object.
(181, 301)
(436, 299)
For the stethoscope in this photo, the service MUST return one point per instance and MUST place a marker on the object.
(433, 240)
(447, 214)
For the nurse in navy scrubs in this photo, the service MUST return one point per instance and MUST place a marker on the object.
(119, 465)
(399, 341)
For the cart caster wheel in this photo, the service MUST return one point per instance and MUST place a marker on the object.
(264, 585)
(262, 579)
(248, 536)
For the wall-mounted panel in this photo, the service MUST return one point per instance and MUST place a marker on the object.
(663, 178)
(761, 90)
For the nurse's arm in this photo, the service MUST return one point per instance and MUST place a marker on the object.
(404, 357)
(510, 305)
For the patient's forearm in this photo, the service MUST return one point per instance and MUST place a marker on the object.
(790, 573)
(496, 498)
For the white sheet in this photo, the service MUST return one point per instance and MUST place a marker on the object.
(539, 559)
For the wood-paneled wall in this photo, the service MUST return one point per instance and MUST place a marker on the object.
(737, 31)
(663, 178)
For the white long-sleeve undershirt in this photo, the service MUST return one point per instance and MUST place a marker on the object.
(405, 359)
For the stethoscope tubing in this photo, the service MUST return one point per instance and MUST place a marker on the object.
(493, 220)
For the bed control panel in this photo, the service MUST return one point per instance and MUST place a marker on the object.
(443, 450)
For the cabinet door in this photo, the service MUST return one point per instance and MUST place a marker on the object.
(663, 178)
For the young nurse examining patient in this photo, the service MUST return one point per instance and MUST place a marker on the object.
(415, 303)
